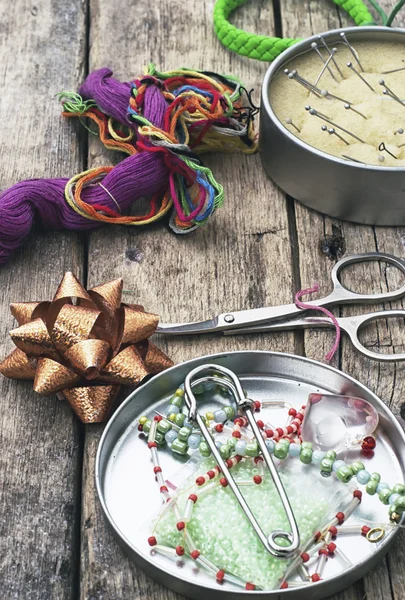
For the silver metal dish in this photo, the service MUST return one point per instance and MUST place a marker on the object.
(367, 194)
(130, 498)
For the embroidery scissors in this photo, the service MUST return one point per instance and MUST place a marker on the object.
(289, 316)
(228, 379)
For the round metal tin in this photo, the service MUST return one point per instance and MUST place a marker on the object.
(367, 194)
(130, 497)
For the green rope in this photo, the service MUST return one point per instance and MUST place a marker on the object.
(394, 12)
(266, 48)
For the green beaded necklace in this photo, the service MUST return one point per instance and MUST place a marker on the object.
(177, 432)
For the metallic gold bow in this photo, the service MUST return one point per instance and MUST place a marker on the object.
(86, 350)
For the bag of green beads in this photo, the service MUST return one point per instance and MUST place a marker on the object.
(212, 526)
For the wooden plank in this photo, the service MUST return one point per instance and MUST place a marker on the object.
(242, 258)
(39, 445)
(312, 232)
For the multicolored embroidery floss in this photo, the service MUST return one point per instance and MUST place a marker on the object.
(163, 121)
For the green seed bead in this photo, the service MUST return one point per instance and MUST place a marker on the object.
(344, 474)
(204, 449)
(230, 413)
(159, 438)
(306, 456)
(384, 495)
(143, 420)
(176, 401)
(225, 451)
(400, 504)
(357, 466)
(179, 392)
(179, 447)
(164, 426)
(146, 426)
(252, 449)
(331, 454)
(284, 442)
(280, 451)
(326, 466)
(307, 445)
(179, 420)
(232, 442)
(375, 477)
(399, 488)
(393, 509)
(184, 434)
(371, 487)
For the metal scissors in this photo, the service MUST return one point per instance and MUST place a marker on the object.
(276, 318)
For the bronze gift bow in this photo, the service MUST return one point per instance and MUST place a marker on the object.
(85, 351)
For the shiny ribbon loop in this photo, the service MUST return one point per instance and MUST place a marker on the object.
(84, 344)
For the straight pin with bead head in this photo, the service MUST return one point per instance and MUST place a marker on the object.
(352, 50)
(326, 94)
(331, 53)
(350, 107)
(352, 68)
(388, 92)
(315, 113)
(293, 75)
(332, 131)
(289, 121)
(326, 62)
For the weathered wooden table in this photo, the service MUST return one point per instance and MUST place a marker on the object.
(258, 249)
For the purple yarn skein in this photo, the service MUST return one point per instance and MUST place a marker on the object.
(43, 201)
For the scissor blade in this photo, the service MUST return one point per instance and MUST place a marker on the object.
(188, 328)
(305, 323)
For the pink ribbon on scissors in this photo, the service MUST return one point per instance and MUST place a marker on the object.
(327, 312)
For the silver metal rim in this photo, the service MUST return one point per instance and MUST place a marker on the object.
(378, 554)
(290, 53)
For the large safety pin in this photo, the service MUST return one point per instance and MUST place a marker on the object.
(209, 372)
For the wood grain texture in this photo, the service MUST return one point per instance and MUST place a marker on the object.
(39, 455)
(234, 262)
(313, 230)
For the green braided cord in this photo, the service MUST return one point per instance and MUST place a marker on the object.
(266, 48)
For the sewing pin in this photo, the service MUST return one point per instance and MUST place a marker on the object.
(350, 107)
(331, 54)
(289, 121)
(326, 94)
(353, 159)
(352, 50)
(315, 113)
(306, 84)
(390, 93)
(332, 131)
(382, 147)
(325, 66)
(314, 46)
(393, 71)
(350, 65)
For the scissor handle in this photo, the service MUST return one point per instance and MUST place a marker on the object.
(342, 294)
(352, 326)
